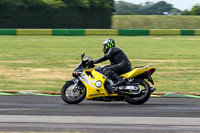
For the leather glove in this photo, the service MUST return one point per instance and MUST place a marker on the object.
(92, 62)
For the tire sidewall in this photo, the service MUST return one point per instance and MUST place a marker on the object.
(130, 100)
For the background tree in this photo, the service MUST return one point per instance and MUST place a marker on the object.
(160, 7)
(194, 11)
(148, 8)
(124, 8)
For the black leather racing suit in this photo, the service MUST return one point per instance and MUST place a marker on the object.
(119, 63)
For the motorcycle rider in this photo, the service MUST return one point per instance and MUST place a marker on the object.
(119, 62)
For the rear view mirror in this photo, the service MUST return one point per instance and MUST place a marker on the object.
(82, 55)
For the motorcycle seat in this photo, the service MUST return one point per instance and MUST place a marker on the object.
(133, 68)
(137, 67)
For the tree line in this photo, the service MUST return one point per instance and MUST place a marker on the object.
(77, 13)
(151, 8)
(148, 8)
(56, 13)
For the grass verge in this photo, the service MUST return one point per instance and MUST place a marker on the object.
(155, 22)
(44, 63)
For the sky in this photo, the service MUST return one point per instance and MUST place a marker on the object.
(180, 4)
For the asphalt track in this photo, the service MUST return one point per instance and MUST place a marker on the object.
(51, 114)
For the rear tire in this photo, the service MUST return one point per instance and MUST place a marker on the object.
(73, 96)
(141, 98)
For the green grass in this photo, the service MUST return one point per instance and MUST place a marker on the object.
(155, 22)
(44, 63)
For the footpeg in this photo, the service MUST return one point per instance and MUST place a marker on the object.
(153, 89)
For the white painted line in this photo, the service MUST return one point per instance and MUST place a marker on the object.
(174, 121)
(16, 109)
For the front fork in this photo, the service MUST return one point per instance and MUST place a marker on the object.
(75, 81)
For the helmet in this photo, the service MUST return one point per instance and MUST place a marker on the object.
(107, 44)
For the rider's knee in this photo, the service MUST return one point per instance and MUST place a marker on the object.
(107, 71)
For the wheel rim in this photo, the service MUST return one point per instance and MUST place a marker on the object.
(74, 93)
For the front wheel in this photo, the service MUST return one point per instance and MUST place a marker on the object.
(144, 94)
(73, 93)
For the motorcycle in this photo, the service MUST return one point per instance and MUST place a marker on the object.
(92, 84)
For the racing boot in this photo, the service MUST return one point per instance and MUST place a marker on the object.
(121, 81)
(118, 80)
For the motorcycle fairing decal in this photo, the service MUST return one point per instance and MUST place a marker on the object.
(90, 84)
(98, 93)
(98, 84)
(87, 81)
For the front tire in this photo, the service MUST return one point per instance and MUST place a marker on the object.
(72, 95)
(143, 96)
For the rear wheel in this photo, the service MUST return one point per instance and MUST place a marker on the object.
(143, 96)
(72, 93)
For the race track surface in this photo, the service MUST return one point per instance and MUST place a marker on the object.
(51, 114)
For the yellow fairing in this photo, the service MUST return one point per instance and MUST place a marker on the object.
(90, 82)
(137, 71)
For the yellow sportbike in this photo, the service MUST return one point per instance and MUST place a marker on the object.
(92, 84)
